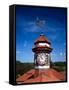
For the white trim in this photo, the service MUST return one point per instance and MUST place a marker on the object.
(44, 44)
(42, 67)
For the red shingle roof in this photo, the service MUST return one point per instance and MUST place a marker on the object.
(42, 38)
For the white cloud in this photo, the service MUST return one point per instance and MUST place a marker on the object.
(64, 54)
(18, 52)
(61, 53)
(33, 27)
(25, 44)
(53, 54)
(64, 44)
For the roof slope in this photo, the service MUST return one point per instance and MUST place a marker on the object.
(48, 75)
(42, 38)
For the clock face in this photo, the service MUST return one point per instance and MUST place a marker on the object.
(42, 59)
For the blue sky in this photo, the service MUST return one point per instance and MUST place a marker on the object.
(27, 31)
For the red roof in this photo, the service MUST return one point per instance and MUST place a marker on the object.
(42, 38)
(46, 75)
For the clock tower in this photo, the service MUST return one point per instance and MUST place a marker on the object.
(42, 72)
(42, 50)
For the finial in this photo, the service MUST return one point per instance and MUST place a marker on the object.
(42, 34)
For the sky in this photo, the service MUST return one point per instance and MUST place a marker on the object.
(27, 31)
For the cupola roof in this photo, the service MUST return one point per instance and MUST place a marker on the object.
(42, 38)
